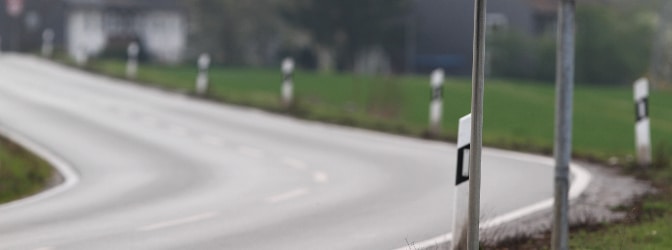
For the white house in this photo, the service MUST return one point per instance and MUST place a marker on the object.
(160, 26)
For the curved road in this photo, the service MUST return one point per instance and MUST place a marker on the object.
(156, 170)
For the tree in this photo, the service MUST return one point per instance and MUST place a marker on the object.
(343, 29)
(236, 32)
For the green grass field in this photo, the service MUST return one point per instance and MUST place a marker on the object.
(518, 115)
(21, 173)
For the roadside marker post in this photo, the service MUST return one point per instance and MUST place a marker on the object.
(133, 51)
(47, 43)
(436, 101)
(642, 122)
(202, 78)
(81, 57)
(287, 82)
(461, 204)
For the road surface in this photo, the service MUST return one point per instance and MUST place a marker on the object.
(156, 170)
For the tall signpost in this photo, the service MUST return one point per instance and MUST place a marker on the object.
(643, 124)
(133, 51)
(461, 184)
(476, 125)
(436, 102)
(563, 128)
(202, 78)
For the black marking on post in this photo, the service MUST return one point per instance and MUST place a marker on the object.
(287, 77)
(436, 93)
(642, 113)
(459, 178)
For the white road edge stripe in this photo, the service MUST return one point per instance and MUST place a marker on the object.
(70, 177)
(580, 183)
(177, 222)
(44, 248)
(287, 196)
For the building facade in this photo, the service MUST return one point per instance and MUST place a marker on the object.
(96, 27)
(160, 27)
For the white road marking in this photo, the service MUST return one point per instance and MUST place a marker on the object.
(250, 151)
(70, 176)
(177, 222)
(287, 196)
(320, 177)
(44, 248)
(294, 163)
(211, 140)
(581, 180)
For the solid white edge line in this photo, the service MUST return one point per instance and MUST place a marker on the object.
(70, 176)
(580, 183)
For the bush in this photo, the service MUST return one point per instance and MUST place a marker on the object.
(613, 46)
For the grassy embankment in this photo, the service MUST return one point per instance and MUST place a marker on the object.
(21, 172)
(518, 115)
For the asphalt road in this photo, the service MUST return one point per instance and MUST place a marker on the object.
(155, 170)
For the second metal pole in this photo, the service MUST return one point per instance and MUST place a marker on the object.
(563, 129)
(476, 125)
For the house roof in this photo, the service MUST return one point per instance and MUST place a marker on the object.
(154, 4)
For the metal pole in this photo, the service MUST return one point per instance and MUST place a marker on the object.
(476, 125)
(563, 129)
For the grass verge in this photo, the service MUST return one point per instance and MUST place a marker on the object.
(21, 173)
(648, 223)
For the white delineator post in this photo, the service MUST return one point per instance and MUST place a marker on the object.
(436, 102)
(461, 204)
(202, 78)
(643, 124)
(81, 57)
(287, 82)
(133, 51)
(47, 43)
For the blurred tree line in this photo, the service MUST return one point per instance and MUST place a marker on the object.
(613, 45)
(325, 34)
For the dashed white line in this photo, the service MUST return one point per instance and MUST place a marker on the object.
(288, 195)
(250, 151)
(320, 177)
(294, 163)
(177, 222)
(44, 248)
